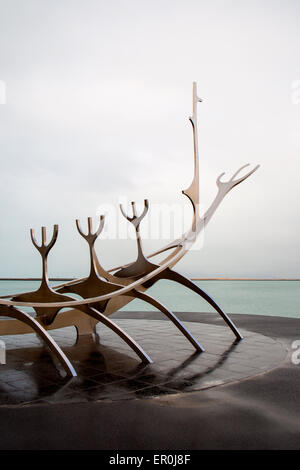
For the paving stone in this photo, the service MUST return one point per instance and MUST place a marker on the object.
(109, 370)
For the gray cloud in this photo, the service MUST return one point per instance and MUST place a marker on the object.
(98, 96)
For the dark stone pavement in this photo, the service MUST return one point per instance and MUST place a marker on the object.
(262, 412)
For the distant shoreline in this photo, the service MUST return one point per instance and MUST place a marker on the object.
(193, 278)
(36, 278)
(245, 279)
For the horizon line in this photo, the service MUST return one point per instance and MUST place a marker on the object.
(192, 278)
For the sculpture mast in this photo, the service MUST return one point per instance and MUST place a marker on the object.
(192, 192)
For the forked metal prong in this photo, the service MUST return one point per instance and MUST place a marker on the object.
(44, 247)
(146, 208)
(233, 182)
(33, 239)
(90, 225)
(79, 228)
(135, 219)
(238, 171)
(53, 239)
(90, 236)
(134, 214)
(44, 236)
(100, 226)
(124, 213)
(219, 182)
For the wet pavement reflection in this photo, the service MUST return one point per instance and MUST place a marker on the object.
(108, 370)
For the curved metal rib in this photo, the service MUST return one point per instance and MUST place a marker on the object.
(174, 276)
(53, 346)
(150, 300)
(114, 327)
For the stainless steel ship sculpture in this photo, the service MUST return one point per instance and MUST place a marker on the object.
(104, 292)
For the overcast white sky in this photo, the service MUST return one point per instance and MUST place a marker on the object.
(98, 95)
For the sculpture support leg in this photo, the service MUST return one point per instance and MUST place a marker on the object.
(114, 327)
(147, 298)
(174, 276)
(53, 346)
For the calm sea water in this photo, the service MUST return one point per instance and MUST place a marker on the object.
(277, 298)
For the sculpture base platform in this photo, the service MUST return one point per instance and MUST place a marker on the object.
(108, 370)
